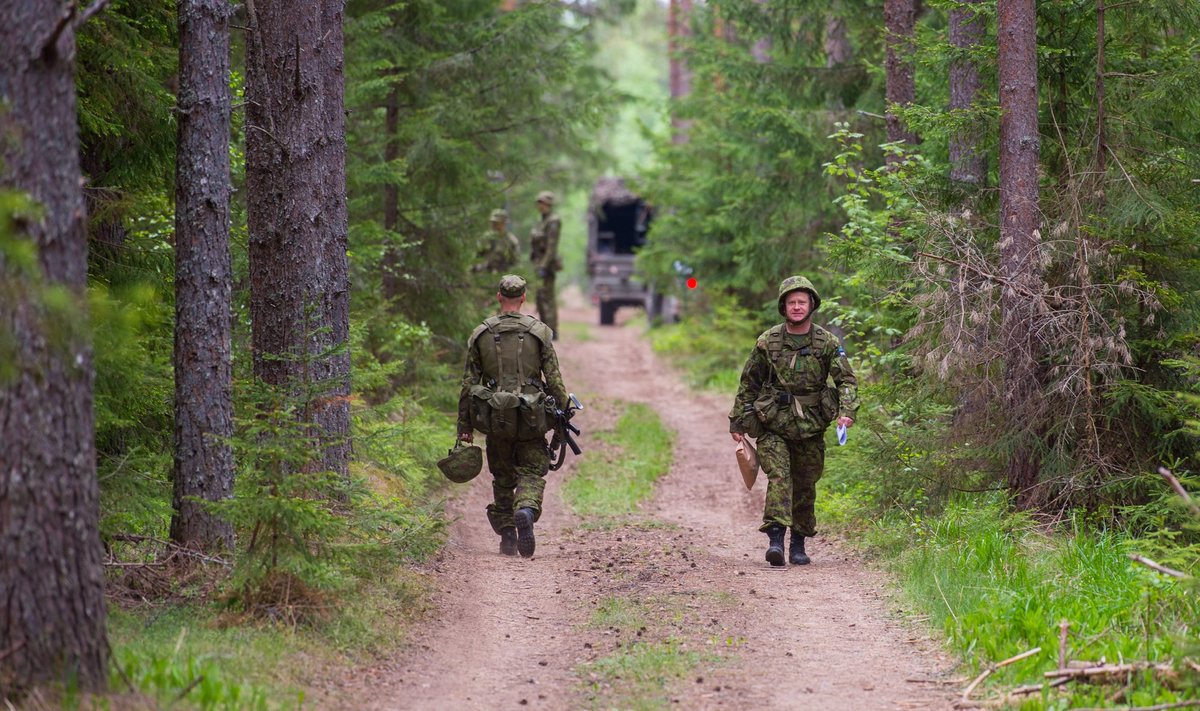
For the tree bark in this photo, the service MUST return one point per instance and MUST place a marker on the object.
(899, 17)
(968, 166)
(296, 192)
(1019, 237)
(837, 44)
(679, 16)
(52, 614)
(203, 279)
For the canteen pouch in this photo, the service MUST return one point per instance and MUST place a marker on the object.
(532, 419)
(495, 413)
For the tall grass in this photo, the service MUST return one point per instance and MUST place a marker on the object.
(998, 585)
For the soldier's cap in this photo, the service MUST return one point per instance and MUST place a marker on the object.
(546, 196)
(512, 286)
(499, 214)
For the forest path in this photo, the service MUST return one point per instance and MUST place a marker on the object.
(509, 633)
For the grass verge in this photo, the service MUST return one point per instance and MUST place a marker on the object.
(613, 480)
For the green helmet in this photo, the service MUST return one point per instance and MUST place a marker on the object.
(547, 197)
(462, 464)
(499, 214)
(794, 283)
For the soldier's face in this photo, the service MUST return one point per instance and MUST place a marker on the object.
(543, 207)
(497, 225)
(797, 306)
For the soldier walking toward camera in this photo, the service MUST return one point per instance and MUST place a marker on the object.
(546, 262)
(499, 247)
(785, 402)
(511, 374)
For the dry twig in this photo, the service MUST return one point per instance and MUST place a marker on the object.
(966, 694)
(1158, 566)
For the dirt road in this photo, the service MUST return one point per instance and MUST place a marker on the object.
(511, 633)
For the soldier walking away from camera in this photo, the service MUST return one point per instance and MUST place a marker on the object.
(510, 388)
(546, 262)
(499, 247)
(784, 400)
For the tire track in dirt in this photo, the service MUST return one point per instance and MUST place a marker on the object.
(508, 633)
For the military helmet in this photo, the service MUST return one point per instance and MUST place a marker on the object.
(547, 197)
(795, 283)
(499, 214)
(462, 464)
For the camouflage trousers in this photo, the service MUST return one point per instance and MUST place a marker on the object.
(547, 304)
(518, 478)
(792, 468)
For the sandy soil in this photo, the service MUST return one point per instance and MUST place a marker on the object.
(509, 633)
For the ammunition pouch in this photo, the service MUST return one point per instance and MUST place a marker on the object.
(795, 416)
(508, 415)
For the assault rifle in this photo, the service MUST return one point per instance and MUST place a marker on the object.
(563, 431)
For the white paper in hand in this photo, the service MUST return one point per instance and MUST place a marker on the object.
(841, 433)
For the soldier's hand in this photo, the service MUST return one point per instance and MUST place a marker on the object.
(468, 437)
(845, 421)
(737, 436)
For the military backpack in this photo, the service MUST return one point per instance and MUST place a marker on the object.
(512, 404)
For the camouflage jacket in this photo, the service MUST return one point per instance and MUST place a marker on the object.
(548, 379)
(800, 365)
(543, 243)
(499, 252)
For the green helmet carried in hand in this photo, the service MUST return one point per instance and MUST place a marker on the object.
(795, 283)
(462, 464)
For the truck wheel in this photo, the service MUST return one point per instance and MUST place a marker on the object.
(608, 313)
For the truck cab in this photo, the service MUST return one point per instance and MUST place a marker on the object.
(618, 225)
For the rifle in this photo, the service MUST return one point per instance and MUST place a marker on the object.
(563, 431)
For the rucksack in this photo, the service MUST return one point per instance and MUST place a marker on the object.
(512, 404)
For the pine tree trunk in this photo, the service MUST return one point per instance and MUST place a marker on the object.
(899, 17)
(837, 44)
(1019, 237)
(968, 166)
(392, 263)
(296, 192)
(52, 614)
(680, 77)
(203, 278)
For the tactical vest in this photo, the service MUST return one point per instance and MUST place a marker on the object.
(511, 404)
(796, 401)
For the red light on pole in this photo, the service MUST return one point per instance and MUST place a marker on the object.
(691, 282)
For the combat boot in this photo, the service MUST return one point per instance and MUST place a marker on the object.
(508, 541)
(524, 518)
(775, 549)
(796, 554)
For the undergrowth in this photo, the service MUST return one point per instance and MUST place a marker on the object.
(612, 481)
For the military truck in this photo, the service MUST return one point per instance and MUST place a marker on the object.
(618, 223)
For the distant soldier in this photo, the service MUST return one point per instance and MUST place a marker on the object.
(511, 371)
(784, 400)
(499, 247)
(546, 262)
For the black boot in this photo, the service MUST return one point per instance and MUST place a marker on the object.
(524, 519)
(775, 549)
(796, 555)
(508, 541)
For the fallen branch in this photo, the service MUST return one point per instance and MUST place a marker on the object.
(1158, 566)
(1110, 669)
(966, 694)
(1034, 688)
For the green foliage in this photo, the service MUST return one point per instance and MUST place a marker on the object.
(636, 678)
(713, 347)
(614, 480)
(468, 139)
(1013, 581)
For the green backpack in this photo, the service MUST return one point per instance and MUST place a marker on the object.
(512, 404)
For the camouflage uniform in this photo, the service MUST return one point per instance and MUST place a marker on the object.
(499, 247)
(544, 255)
(791, 445)
(517, 466)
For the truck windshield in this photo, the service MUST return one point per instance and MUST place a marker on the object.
(621, 228)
